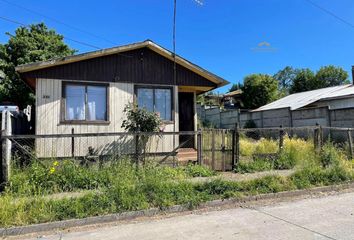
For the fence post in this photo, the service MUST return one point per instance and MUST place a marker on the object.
(6, 147)
(223, 149)
(137, 149)
(199, 147)
(72, 143)
(235, 146)
(350, 140)
(317, 138)
(213, 148)
(320, 137)
(281, 138)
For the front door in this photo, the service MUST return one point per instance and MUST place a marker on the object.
(186, 118)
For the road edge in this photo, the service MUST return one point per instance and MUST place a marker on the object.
(44, 227)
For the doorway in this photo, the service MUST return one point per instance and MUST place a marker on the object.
(186, 117)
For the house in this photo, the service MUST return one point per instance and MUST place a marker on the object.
(331, 106)
(233, 99)
(87, 93)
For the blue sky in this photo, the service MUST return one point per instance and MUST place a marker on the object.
(221, 36)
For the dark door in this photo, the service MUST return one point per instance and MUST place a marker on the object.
(186, 118)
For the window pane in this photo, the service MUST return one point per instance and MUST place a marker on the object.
(96, 103)
(75, 102)
(163, 103)
(145, 99)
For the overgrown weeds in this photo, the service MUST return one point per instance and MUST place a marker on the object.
(131, 189)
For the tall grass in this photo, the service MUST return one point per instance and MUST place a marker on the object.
(296, 152)
(121, 186)
(132, 189)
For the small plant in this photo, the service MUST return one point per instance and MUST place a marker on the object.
(141, 120)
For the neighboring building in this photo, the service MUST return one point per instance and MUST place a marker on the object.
(332, 106)
(233, 99)
(88, 92)
(331, 97)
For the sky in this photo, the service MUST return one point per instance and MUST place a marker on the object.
(231, 38)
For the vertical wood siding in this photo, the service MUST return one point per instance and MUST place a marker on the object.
(48, 122)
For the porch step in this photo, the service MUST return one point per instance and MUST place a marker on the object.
(186, 155)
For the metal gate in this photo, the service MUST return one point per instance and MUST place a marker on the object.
(218, 148)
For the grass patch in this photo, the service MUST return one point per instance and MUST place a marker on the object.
(257, 165)
(124, 187)
(150, 186)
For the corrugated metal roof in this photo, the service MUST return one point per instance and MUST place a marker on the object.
(299, 100)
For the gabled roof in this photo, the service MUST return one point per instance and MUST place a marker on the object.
(121, 49)
(299, 100)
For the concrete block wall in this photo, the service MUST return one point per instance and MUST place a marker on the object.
(276, 117)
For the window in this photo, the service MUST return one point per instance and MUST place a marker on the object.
(85, 102)
(157, 100)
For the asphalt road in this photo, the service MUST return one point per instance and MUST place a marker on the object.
(329, 217)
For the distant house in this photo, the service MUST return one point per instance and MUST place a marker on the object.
(88, 92)
(233, 99)
(332, 106)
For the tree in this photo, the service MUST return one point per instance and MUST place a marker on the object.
(258, 90)
(235, 86)
(29, 44)
(285, 78)
(304, 81)
(329, 76)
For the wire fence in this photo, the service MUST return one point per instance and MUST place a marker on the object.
(220, 149)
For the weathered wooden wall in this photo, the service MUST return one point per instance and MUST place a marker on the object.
(48, 122)
(137, 66)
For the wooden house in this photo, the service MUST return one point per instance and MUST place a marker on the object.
(88, 93)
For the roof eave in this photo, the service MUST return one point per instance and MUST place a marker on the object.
(104, 52)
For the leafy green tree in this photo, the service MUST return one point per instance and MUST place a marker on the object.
(235, 86)
(329, 76)
(285, 78)
(258, 90)
(29, 44)
(304, 81)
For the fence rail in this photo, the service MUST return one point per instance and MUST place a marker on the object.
(220, 149)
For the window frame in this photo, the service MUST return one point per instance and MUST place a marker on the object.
(153, 87)
(85, 84)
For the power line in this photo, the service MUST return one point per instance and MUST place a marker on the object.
(59, 22)
(67, 38)
(330, 13)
